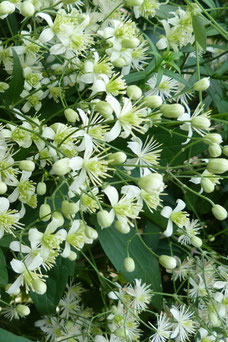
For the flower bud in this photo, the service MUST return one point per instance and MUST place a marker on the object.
(70, 115)
(151, 182)
(124, 229)
(27, 9)
(6, 7)
(212, 138)
(91, 233)
(23, 310)
(215, 150)
(201, 122)
(214, 320)
(104, 219)
(129, 264)
(3, 188)
(61, 167)
(27, 165)
(202, 84)
(104, 109)
(119, 62)
(219, 212)
(120, 332)
(72, 256)
(153, 101)
(39, 286)
(134, 92)
(130, 43)
(58, 216)
(167, 261)
(217, 165)
(172, 110)
(41, 188)
(45, 212)
(69, 209)
(207, 185)
(196, 241)
(225, 150)
(117, 158)
(133, 2)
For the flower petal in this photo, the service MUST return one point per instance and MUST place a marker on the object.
(166, 211)
(169, 230)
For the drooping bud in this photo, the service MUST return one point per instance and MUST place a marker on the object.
(217, 165)
(129, 264)
(153, 101)
(196, 241)
(151, 182)
(201, 122)
(71, 115)
(134, 92)
(72, 256)
(172, 110)
(219, 212)
(124, 229)
(39, 286)
(212, 138)
(27, 165)
(23, 310)
(91, 233)
(215, 150)
(120, 332)
(207, 185)
(3, 188)
(214, 320)
(6, 7)
(130, 43)
(58, 216)
(104, 219)
(69, 209)
(167, 261)
(202, 84)
(117, 158)
(133, 2)
(61, 167)
(225, 150)
(41, 188)
(104, 109)
(27, 9)
(119, 62)
(45, 212)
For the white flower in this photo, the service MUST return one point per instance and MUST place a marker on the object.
(141, 295)
(163, 329)
(8, 218)
(183, 326)
(75, 237)
(113, 338)
(176, 215)
(190, 230)
(165, 88)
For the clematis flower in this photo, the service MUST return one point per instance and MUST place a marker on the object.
(8, 218)
(177, 216)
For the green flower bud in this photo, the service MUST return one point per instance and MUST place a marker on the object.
(133, 2)
(61, 167)
(196, 242)
(124, 229)
(219, 212)
(217, 165)
(6, 7)
(129, 264)
(72, 256)
(104, 109)
(153, 101)
(3, 188)
(117, 158)
(39, 286)
(23, 310)
(167, 261)
(119, 62)
(45, 212)
(69, 209)
(120, 332)
(70, 115)
(41, 188)
(212, 138)
(151, 182)
(202, 84)
(207, 185)
(130, 43)
(172, 110)
(27, 9)
(215, 150)
(134, 92)
(58, 216)
(27, 165)
(214, 320)
(225, 150)
(104, 219)
(201, 122)
(91, 233)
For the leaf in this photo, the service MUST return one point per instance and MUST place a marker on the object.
(209, 3)
(6, 336)
(199, 31)
(177, 77)
(56, 284)
(135, 76)
(3, 270)
(115, 244)
(17, 82)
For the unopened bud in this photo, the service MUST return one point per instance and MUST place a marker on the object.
(41, 188)
(151, 182)
(214, 320)
(23, 310)
(61, 167)
(225, 150)
(91, 233)
(122, 228)
(133, 2)
(153, 101)
(207, 185)
(117, 158)
(104, 109)
(71, 115)
(172, 110)
(134, 92)
(119, 62)
(212, 138)
(6, 7)
(58, 216)
(219, 212)
(129, 264)
(201, 122)
(72, 256)
(120, 332)
(3, 188)
(202, 84)
(215, 150)
(104, 219)
(39, 286)
(130, 43)
(45, 212)
(167, 261)
(217, 165)
(27, 165)
(27, 9)
(196, 242)
(69, 209)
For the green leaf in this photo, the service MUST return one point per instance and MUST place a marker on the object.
(177, 77)
(17, 82)
(199, 31)
(209, 3)
(115, 244)
(56, 284)
(6, 336)
(3, 269)
(135, 77)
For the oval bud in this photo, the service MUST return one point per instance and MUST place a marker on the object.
(167, 261)
(151, 182)
(201, 122)
(39, 286)
(119, 62)
(214, 320)
(212, 138)
(23, 310)
(196, 241)
(58, 216)
(129, 264)
(27, 165)
(61, 167)
(104, 109)
(120, 332)
(207, 185)
(70, 115)
(130, 43)
(218, 165)
(45, 212)
(72, 256)
(172, 110)
(202, 84)
(3, 188)
(134, 92)
(225, 150)
(153, 101)
(6, 7)
(219, 212)
(124, 229)
(27, 9)
(91, 233)
(104, 219)
(133, 2)
(69, 209)
(41, 188)
(214, 150)
(117, 158)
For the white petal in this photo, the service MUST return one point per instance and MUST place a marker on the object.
(76, 163)
(52, 226)
(17, 247)
(37, 261)
(48, 133)
(114, 104)
(17, 266)
(66, 251)
(166, 211)
(15, 286)
(35, 237)
(114, 133)
(180, 206)
(195, 180)
(169, 230)
(4, 204)
(46, 35)
(46, 17)
(112, 194)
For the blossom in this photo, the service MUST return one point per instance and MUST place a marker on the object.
(8, 218)
(163, 329)
(165, 88)
(140, 295)
(179, 217)
(183, 324)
